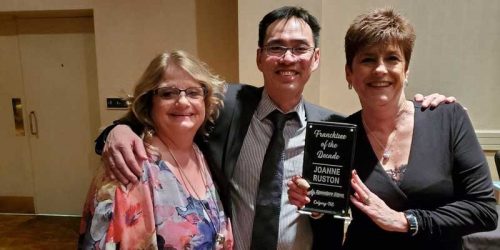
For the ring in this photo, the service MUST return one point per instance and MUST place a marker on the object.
(367, 201)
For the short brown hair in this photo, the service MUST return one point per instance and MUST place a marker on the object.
(383, 25)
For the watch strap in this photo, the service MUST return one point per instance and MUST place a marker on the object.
(412, 223)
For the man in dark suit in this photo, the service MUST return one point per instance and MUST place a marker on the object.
(287, 55)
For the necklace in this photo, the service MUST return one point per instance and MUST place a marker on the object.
(387, 149)
(219, 237)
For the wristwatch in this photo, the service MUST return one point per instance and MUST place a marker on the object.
(412, 223)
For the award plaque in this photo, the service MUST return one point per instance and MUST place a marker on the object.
(328, 156)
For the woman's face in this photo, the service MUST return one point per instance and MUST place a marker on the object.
(378, 74)
(174, 112)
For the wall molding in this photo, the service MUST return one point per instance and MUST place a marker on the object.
(17, 204)
(489, 139)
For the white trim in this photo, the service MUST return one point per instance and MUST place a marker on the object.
(489, 139)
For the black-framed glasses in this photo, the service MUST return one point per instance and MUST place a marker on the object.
(173, 93)
(276, 50)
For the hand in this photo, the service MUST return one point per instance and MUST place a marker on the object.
(375, 208)
(433, 100)
(123, 155)
(297, 192)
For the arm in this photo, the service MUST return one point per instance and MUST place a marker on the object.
(122, 152)
(474, 209)
(106, 198)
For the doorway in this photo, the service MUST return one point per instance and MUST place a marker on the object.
(51, 66)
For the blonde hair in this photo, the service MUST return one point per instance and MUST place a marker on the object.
(139, 114)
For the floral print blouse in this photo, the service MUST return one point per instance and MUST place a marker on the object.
(156, 213)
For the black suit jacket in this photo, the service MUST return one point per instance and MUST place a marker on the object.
(223, 147)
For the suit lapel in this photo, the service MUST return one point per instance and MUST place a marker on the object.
(247, 100)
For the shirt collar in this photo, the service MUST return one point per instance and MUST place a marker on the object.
(266, 106)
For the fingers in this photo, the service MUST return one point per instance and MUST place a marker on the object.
(302, 183)
(433, 100)
(107, 167)
(114, 163)
(418, 97)
(361, 193)
(125, 163)
(140, 151)
(426, 100)
(133, 157)
(297, 195)
(438, 99)
(450, 99)
(298, 200)
(123, 154)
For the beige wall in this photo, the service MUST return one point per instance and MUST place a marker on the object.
(457, 53)
(128, 33)
(217, 30)
(457, 50)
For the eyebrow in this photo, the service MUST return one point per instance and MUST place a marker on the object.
(281, 41)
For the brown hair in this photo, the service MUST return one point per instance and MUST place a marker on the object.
(383, 25)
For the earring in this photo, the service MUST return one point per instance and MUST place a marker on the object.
(349, 86)
(406, 82)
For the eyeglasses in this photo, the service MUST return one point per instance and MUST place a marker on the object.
(173, 93)
(281, 50)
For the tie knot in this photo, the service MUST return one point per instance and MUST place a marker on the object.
(278, 119)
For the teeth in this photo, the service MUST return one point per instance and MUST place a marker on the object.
(288, 73)
(379, 84)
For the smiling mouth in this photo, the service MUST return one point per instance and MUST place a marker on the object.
(287, 72)
(379, 84)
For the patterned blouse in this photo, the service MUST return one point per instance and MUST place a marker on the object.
(156, 213)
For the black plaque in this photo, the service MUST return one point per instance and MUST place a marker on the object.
(328, 157)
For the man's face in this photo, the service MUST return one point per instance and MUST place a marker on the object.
(286, 75)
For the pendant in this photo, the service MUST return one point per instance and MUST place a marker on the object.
(387, 154)
(219, 241)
